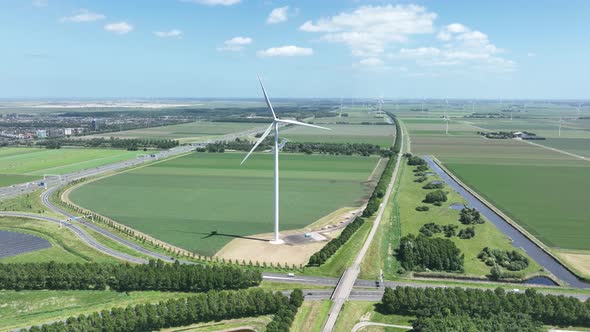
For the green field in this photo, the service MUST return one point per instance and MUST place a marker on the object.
(19, 165)
(541, 189)
(373, 134)
(185, 131)
(202, 201)
(26, 308)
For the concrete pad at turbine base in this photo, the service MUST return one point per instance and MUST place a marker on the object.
(279, 241)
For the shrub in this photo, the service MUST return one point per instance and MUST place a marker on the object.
(467, 233)
(435, 196)
(422, 208)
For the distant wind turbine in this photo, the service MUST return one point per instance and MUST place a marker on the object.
(275, 125)
(340, 114)
(560, 122)
(446, 119)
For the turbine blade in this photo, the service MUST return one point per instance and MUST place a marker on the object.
(266, 132)
(274, 116)
(301, 124)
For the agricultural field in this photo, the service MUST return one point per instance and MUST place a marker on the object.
(202, 201)
(381, 135)
(19, 165)
(185, 132)
(549, 199)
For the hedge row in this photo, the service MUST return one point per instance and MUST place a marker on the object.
(204, 307)
(329, 249)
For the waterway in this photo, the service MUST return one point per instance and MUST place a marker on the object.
(518, 239)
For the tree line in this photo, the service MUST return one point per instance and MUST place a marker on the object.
(505, 322)
(131, 144)
(156, 275)
(486, 304)
(204, 307)
(330, 249)
(348, 149)
(373, 204)
(436, 254)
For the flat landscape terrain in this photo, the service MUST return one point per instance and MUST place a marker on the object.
(201, 201)
(541, 189)
(381, 135)
(185, 132)
(19, 165)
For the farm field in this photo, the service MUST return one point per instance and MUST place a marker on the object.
(202, 201)
(549, 199)
(19, 165)
(381, 135)
(185, 132)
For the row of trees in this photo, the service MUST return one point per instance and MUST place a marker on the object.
(284, 317)
(431, 229)
(330, 249)
(131, 144)
(504, 322)
(443, 302)
(125, 277)
(436, 254)
(204, 307)
(380, 189)
(397, 145)
(373, 204)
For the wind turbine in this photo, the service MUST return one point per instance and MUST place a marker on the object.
(340, 114)
(275, 125)
(446, 118)
(560, 122)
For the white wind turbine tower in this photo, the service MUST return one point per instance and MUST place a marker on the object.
(560, 122)
(446, 118)
(340, 114)
(275, 125)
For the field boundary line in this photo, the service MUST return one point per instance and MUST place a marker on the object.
(571, 154)
(509, 220)
(80, 162)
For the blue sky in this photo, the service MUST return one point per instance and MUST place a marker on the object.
(323, 48)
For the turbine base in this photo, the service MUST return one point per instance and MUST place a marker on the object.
(279, 241)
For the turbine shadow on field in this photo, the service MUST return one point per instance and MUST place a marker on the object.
(216, 233)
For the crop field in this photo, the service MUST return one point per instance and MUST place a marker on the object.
(542, 190)
(381, 135)
(15, 243)
(429, 126)
(579, 146)
(201, 201)
(185, 131)
(19, 165)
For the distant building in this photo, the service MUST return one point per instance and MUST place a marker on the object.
(68, 131)
(94, 125)
(56, 132)
(41, 133)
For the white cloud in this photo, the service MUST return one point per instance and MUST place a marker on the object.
(235, 44)
(174, 33)
(83, 15)
(214, 2)
(290, 50)
(278, 15)
(369, 30)
(456, 28)
(120, 28)
(40, 3)
(371, 62)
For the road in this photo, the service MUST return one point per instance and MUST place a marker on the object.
(361, 325)
(350, 275)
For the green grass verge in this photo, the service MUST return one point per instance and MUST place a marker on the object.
(344, 257)
(311, 316)
(353, 311)
(487, 235)
(251, 323)
(25, 308)
(65, 246)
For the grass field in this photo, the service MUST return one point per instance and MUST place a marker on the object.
(357, 311)
(311, 316)
(185, 131)
(373, 134)
(19, 165)
(25, 308)
(65, 246)
(540, 189)
(201, 201)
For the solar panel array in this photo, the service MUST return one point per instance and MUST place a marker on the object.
(13, 243)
